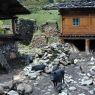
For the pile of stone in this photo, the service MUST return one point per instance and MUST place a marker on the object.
(50, 28)
(49, 55)
(20, 85)
(38, 41)
(80, 78)
(79, 73)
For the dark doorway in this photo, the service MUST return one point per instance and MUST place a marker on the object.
(92, 44)
(80, 44)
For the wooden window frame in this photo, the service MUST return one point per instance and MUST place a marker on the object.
(76, 21)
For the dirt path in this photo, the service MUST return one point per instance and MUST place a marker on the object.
(44, 86)
(8, 76)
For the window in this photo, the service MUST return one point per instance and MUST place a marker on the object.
(76, 21)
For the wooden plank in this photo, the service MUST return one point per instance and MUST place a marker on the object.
(87, 45)
(87, 25)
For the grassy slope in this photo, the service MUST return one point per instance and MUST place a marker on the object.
(43, 16)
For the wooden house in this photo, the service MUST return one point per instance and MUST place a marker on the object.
(78, 23)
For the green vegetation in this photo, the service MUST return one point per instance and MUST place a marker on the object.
(43, 16)
(1, 29)
(1, 23)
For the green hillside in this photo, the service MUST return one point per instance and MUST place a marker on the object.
(43, 16)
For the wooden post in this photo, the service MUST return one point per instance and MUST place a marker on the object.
(87, 46)
(62, 40)
(13, 25)
(61, 32)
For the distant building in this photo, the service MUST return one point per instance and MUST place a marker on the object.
(78, 23)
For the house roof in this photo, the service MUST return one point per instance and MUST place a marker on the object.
(77, 4)
(10, 8)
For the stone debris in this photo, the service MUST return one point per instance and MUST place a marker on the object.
(87, 81)
(12, 92)
(91, 92)
(50, 28)
(54, 54)
(81, 94)
(79, 73)
(72, 88)
(1, 90)
(23, 87)
(64, 92)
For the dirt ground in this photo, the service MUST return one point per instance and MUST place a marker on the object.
(16, 67)
(43, 83)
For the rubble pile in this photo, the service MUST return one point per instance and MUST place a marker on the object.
(49, 35)
(38, 41)
(79, 73)
(79, 70)
(49, 55)
(20, 85)
(51, 27)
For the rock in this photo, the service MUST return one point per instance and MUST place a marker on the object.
(81, 94)
(92, 70)
(47, 93)
(33, 75)
(38, 51)
(72, 88)
(26, 88)
(44, 61)
(94, 90)
(12, 92)
(91, 92)
(50, 55)
(68, 78)
(36, 61)
(49, 68)
(7, 85)
(62, 55)
(27, 69)
(35, 84)
(1, 90)
(92, 62)
(76, 61)
(89, 75)
(87, 82)
(29, 59)
(92, 59)
(63, 93)
(20, 77)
